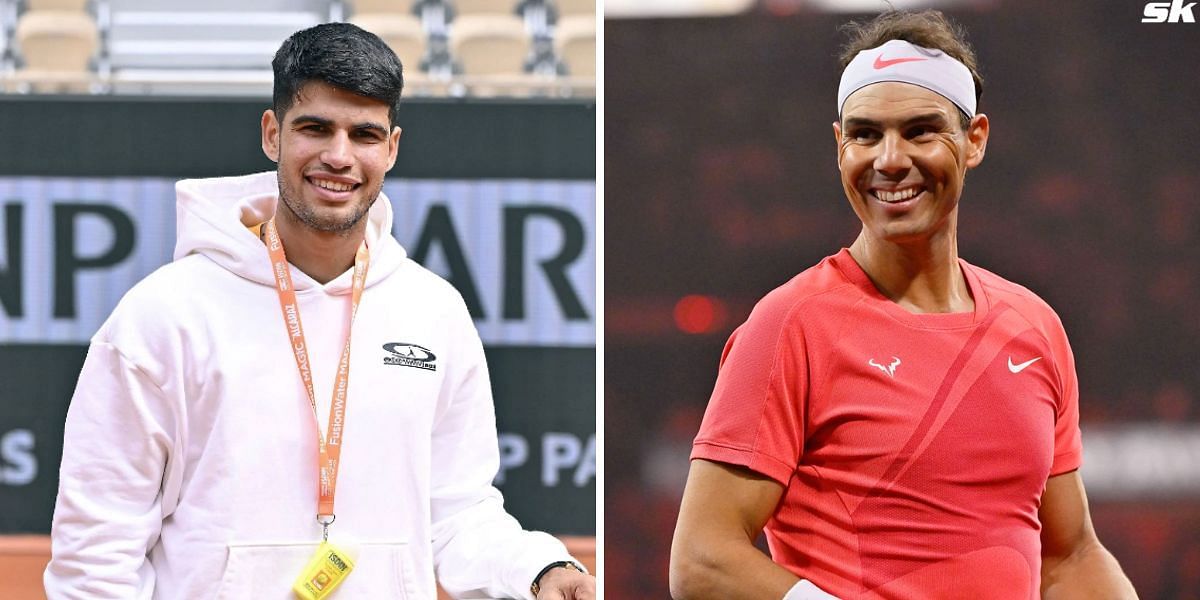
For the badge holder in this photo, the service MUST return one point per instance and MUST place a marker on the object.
(325, 570)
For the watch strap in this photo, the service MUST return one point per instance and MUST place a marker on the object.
(537, 581)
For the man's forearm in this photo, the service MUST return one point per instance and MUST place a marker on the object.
(1092, 572)
(733, 571)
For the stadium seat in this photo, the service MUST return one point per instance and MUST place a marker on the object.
(401, 31)
(490, 45)
(70, 5)
(57, 47)
(493, 56)
(575, 44)
(433, 14)
(576, 7)
(57, 40)
(381, 6)
(484, 7)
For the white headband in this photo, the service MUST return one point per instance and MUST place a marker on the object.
(901, 61)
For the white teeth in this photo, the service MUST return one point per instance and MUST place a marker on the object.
(332, 185)
(897, 196)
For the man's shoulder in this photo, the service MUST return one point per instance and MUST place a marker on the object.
(1006, 290)
(171, 283)
(819, 287)
(150, 316)
(1020, 298)
(413, 283)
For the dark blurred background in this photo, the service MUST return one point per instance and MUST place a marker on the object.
(721, 184)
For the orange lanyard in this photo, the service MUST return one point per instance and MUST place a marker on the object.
(329, 445)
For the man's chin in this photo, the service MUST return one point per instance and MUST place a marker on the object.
(337, 220)
(904, 234)
(320, 215)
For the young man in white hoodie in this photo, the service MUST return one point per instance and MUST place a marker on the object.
(197, 462)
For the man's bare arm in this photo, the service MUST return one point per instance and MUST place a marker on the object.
(713, 555)
(1074, 563)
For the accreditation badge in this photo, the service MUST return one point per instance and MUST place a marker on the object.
(323, 573)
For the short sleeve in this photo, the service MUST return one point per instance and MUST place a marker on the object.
(755, 417)
(1068, 447)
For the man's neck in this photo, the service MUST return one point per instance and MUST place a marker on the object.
(322, 255)
(921, 277)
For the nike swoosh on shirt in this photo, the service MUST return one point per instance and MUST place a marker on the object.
(881, 63)
(1021, 367)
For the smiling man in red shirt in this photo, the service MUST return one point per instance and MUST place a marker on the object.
(899, 422)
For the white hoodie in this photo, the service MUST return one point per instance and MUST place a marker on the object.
(189, 464)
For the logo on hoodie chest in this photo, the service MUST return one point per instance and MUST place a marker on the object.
(409, 355)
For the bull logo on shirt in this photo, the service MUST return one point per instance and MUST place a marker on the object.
(889, 369)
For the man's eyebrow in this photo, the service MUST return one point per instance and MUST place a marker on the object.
(311, 119)
(861, 122)
(376, 127)
(368, 125)
(934, 118)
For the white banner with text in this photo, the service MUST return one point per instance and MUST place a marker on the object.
(521, 252)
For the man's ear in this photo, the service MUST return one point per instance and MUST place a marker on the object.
(270, 135)
(393, 146)
(837, 142)
(977, 138)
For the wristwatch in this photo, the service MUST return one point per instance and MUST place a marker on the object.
(537, 581)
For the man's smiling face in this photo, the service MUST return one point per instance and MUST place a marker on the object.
(903, 156)
(333, 148)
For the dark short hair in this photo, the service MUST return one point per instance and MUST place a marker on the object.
(927, 28)
(342, 55)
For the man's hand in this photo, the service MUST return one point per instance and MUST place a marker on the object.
(561, 583)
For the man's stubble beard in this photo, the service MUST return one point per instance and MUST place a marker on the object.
(309, 217)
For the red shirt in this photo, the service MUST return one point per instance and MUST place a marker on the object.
(913, 448)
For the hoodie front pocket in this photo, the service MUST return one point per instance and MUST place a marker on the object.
(268, 570)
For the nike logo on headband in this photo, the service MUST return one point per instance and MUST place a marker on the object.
(880, 63)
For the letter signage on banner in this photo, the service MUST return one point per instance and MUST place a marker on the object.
(66, 260)
(10, 275)
(522, 253)
(17, 463)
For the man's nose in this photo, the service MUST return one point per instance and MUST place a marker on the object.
(893, 158)
(338, 154)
